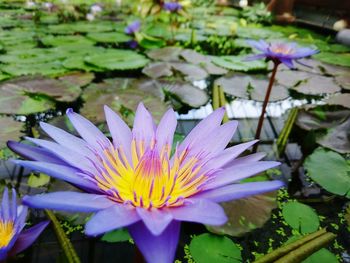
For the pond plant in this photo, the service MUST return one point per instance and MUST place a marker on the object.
(149, 162)
(134, 182)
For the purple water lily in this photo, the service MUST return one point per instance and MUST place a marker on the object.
(172, 6)
(280, 52)
(133, 27)
(135, 182)
(13, 239)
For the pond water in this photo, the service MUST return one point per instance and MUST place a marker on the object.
(83, 55)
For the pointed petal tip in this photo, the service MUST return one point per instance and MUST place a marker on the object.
(69, 111)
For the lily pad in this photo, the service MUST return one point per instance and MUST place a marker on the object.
(10, 130)
(238, 63)
(109, 37)
(117, 59)
(250, 87)
(79, 79)
(333, 58)
(343, 80)
(58, 90)
(321, 256)
(300, 217)
(123, 96)
(157, 69)
(341, 99)
(207, 248)
(165, 54)
(192, 72)
(245, 215)
(56, 41)
(338, 138)
(317, 85)
(330, 170)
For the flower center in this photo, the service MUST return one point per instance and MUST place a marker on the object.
(282, 49)
(6, 233)
(152, 179)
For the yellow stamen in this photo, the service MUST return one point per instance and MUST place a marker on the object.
(6, 233)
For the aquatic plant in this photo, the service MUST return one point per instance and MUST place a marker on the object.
(277, 52)
(172, 6)
(134, 181)
(13, 239)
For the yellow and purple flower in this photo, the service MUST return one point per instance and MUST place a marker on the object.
(172, 6)
(13, 239)
(280, 52)
(135, 182)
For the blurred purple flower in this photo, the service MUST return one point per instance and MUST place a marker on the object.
(134, 181)
(133, 27)
(132, 44)
(13, 239)
(280, 52)
(172, 6)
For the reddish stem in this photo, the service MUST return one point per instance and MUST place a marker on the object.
(266, 100)
(138, 256)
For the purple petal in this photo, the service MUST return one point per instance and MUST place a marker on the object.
(5, 206)
(144, 126)
(239, 172)
(304, 52)
(287, 62)
(155, 220)
(227, 156)
(156, 249)
(237, 191)
(69, 156)
(259, 45)
(166, 129)
(200, 211)
(34, 153)
(251, 158)
(69, 201)
(133, 27)
(114, 217)
(203, 129)
(20, 222)
(88, 131)
(27, 238)
(120, 132)
(61, 172)
(216, 141)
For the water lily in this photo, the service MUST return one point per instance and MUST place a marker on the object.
(134, 181)
(13, 239)
(281, 52)
(133, 27)
(172, 6)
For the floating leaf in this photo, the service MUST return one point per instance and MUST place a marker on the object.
(317, 85)
(333, 58)
(321, 256)
(191, 72)
(207, 248)
(300, 217)
(157, 69)
(118, 235)
(250, 87)
(38, 181)
(245, 215)
(79, 79)
(330, 170)
(165, 54)
(117, 59)
(341, 99)
(109, 37)
(55, 41)
(238, 63)
(9, 130)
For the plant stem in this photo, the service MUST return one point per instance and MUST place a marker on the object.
(138, 256)
(266, 100)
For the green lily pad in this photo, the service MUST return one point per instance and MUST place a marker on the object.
(118, 235)
(207, 248)
(321, 256)
(237, 63)
(245, 215)
(81, 27)
(9, 130)
(57, 41)
(330, 170)
(300, 217)
(109, 37)
(341, 99)
(117, 59)
(333, 58)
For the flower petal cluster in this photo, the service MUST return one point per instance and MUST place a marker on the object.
(133, 27)
(138, 181)
(13, 239)
(172, 6)
(280, 52)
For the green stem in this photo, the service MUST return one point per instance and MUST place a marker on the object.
(65, 243)
(312, 241)
(284, 135)
(223, 103)
(266, 100)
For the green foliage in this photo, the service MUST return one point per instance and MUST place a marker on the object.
(335, 59)
(118, 235)
(38, 180)
(257, 14)
(238, 63)
(207, 248)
